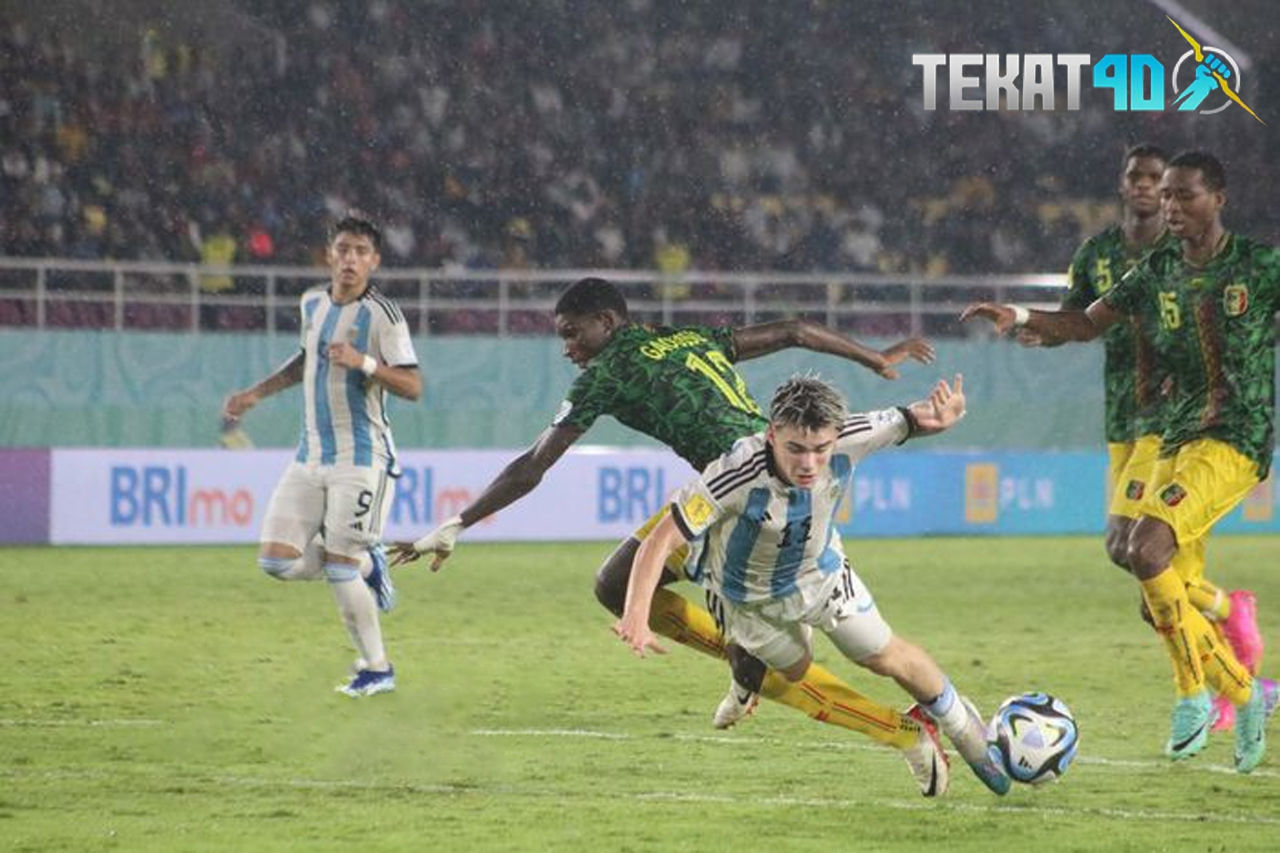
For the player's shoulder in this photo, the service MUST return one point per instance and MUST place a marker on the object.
(381, 303)
(316, 291)
(1106, 240)
(745, 462)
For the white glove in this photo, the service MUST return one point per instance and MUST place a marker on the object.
(442, 539)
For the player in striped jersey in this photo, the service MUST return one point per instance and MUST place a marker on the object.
(1211, 303)
(681, 387)
(327, 512)
(763, 541)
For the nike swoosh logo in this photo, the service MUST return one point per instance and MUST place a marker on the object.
(1181, 745)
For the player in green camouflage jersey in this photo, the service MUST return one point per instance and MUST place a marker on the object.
(681, 387)
(1212, 303)
(1130, 375)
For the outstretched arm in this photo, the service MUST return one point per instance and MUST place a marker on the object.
(1058, 326)
(646, 571)
(285, 376)
(521, 476)
(765, 338)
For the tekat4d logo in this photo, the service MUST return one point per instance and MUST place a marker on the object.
(1207, 85)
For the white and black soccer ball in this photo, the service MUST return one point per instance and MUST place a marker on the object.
(1034, 737)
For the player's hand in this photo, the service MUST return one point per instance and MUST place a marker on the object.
(439, 542)
(343, 353)
(633, 629)
(915, 348)
(1001, 315)
(237, 404)
(943, 408)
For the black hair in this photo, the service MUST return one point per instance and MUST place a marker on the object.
(1144, 149)
(354, 222)
(1210, 168)
(592, 296)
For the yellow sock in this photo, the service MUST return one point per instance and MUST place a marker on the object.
(1222, 671)
(679, 619)
(1209, 600)
(1180, 626)
(827, 699)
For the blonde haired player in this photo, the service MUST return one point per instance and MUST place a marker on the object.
(760, 525)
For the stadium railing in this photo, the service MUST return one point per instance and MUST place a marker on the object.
(148, 295)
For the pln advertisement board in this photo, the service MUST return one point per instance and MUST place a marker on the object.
(112, 496)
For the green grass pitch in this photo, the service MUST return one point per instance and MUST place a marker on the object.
(174, 699)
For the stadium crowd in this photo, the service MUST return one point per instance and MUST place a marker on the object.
(643, 134)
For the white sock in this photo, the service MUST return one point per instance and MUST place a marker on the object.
(360, 614)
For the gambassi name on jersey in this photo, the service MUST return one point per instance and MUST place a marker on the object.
(659, 348)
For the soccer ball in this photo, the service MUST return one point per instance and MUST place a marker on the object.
(1034, 737)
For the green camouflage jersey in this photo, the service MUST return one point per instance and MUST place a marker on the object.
(1131, 376)
(676, 385)
(1215, 336)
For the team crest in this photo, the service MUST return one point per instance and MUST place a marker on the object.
(1235, 299)
(1134, 490)
(1173, 494)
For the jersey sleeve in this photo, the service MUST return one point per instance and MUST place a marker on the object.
(395, 345)
(697, 506)
(588, 399)
(864, 434)
(1126, 296)
(722, 337)
(1080, 290)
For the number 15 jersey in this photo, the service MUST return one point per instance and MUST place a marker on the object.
(679, 386)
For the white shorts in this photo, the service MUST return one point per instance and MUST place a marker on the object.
(779, 631)
(349, 503)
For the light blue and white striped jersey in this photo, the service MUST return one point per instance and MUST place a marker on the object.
(755, 538)
(344, 417)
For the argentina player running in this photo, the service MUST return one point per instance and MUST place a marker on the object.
(760, 523)
(327, 512)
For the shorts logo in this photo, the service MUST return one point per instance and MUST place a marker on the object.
(1235, 299)
(1173, 494)
(1134, 490)
(696, 510)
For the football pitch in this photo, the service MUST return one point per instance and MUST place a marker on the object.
(175, 699)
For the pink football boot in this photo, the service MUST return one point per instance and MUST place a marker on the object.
(1241, 629)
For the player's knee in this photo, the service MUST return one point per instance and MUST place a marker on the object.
(612, 577)
(279, 568)
(1151, 549)
(748, 670)
(1117, 543)
(337, 572)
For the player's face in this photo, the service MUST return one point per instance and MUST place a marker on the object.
(1140, 185)
(801, 454)
(1190, 208)
(352, 259)
(584, 335)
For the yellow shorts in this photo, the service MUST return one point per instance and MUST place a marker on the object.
(680, 556)
(1191, 490)
(1132, 464)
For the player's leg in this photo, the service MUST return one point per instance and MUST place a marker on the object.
(290, 548)
(786, 648)
(854, 624)
(1128, 473)
(1204, 481)
(673, 616)
(351, 528)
